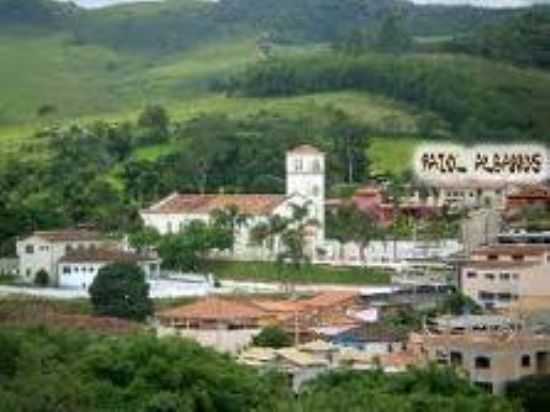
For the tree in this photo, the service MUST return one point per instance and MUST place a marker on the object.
(154, 117)
(392, 36)
(459, 304)
(272, 337)
(187, 250)
(145, 238)
(350, 224)
(229, 219)
(533, 392)
(120, 290)
(42, 278)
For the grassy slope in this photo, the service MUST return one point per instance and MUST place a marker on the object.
(87, 83)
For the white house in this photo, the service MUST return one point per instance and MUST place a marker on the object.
(305, 185)
(79, 268)
(43, 249)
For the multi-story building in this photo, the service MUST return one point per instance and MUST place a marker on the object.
(508, 275)
(42, 250)
(79, 268)
(491, 351)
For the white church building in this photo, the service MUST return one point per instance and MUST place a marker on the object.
(305, 185)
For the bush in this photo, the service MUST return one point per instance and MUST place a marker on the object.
(42, 278)
(120, 290)
(272, 337)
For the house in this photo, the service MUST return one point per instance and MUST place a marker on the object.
(374, 201)
(79, 267)
(305, 186)
(373, 338)
(225, 324)
(488, 350)
(42, 250)
(504, 276)
(529, 195)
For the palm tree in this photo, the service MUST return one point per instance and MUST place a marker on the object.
(231, 219)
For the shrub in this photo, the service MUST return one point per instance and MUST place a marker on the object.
(272, 337)
(120, 290)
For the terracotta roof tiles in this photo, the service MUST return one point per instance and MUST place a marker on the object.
(103, 255)
(69, 235)
(257, 204)
(214, 309)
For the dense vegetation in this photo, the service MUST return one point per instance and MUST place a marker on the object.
(523, 40)
(121, 290)
(476, 101)
(43, 370)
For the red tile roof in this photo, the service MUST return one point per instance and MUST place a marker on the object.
(103, 255)
(204, 204)
(215, 309)
(69, 235)
(329, 299)
(531, 192)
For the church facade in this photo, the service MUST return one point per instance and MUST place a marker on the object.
(305, 186)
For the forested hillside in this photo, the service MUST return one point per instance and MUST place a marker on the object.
(523, 40)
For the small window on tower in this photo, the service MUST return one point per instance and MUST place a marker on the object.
(298, 165)
(316, 166)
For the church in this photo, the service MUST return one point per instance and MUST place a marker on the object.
(305, 186)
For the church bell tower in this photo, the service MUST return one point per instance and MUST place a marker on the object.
(305, 176)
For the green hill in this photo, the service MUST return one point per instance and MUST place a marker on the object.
(523, 39)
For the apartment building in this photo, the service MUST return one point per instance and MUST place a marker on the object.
(503, 276)
(491, 350)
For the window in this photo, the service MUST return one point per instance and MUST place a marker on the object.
(43, 248)
(515, 276)
(471, 275)
(483, 362)
(504, 276)
(526, 361)
(76, 269)
(456, 358)
(490, 276)
(492, 257)
(298, 165)
(66, 270)
(28, 273)
(486, 295)
(91, 269)
(504, 297)
(92, 246)
(518, 258)
(29, 249)
(83, 269)
(316, 166)
(68, 249)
